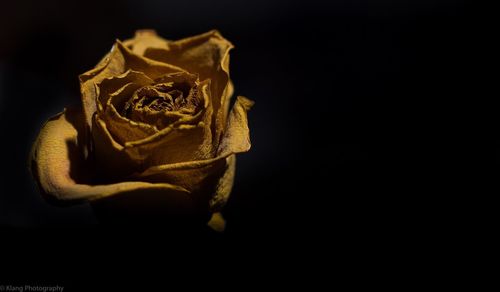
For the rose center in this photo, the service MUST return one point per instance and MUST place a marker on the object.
(161, 97)
(162, 103)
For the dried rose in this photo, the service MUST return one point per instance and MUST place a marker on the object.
(155, 132)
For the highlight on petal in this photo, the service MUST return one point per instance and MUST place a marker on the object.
(204, 54)
(152, 68)
(143, 39)
(236, 136)
(63, 176)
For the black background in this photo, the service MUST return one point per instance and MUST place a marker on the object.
(338, 86)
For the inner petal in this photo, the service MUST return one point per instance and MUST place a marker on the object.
(164, 103)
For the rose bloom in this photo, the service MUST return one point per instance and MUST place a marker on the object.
(155, 137)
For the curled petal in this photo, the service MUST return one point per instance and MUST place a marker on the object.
(236, 137)
(117, 62)
(110, 85)
(200, 178)
(63, 175)
(188, 120)
(152, 68)
(237, 140)
(143, 39)
(214, 174)
(208, 55)
(187, 139)
(123, 129)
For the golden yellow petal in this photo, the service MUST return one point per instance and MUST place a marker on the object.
(152, 68)
(143, 39)
(121, 128)
(209, 182)
(236, 136)
(207, 55)
(210, 177)
(180, 142)
(110, 85)
(200, 178)
(204, 54)
(117, 62)
(224, 185)
(63, 175)
(217, 222)
(236, 140)
(187, 139)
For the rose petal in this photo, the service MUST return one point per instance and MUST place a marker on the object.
(236, 137)
(201, 178)
(217, 222)
(123, 129)
(185, 143)
(110, 85)
(208, 55)
(112, 162)
(202, 116)
(163, 119)
(185, 140)
(214, 174)
(224, 185)
(152, 68)
(62, 174)
(118, 61)
(143, 39)
(209, 180)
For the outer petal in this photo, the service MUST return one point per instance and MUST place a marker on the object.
(143, 39)
(224, 185)
(237, 135)
(211, 176)
(63, 176)
(236, 140)
(217, 222)
(208, 55)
